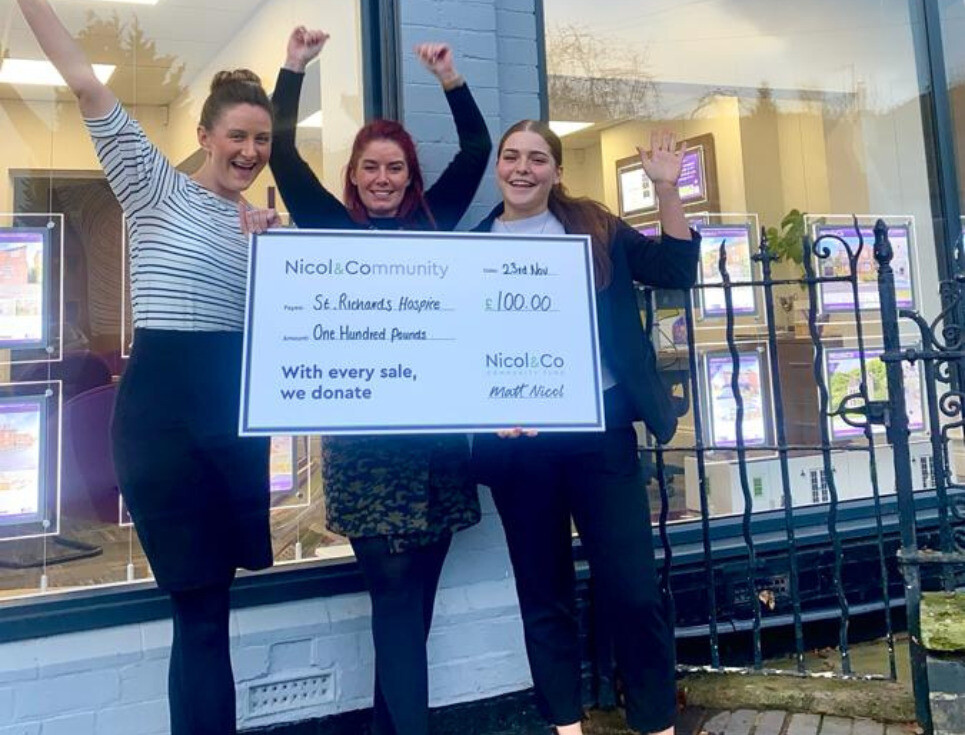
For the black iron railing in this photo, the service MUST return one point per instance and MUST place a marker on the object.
(786, 539)
(940, 349)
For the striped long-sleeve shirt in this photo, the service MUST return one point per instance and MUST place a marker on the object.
(188, 256)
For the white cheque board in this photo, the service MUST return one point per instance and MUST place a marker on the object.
(371, 332)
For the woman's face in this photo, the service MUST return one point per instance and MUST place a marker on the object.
(238, 147)
(526, 172)
(381, 177)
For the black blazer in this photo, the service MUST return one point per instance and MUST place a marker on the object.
(664, 263)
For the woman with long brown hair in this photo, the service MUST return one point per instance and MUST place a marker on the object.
(540, 483)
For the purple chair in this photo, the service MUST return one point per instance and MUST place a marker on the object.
(79, 371)
(88, 482)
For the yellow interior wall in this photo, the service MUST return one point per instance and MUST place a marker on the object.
(720, 116)
(52, 136)
(260, 46)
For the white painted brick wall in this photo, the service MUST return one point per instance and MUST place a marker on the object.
(114, 682)
(495, 45)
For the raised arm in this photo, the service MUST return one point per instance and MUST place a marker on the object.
(309, 203)
(671, 261)
(94, 98)
(450, 196)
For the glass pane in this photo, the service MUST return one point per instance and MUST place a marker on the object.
(953, 25)
(160, 59)
(792, 120)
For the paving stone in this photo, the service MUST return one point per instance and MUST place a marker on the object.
(717, 724)
(689, 719)
(804, 725)
(772, 723)
(836, 726)
(741, 722)
(864, 726)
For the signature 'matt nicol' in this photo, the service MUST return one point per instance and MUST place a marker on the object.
(330, 267)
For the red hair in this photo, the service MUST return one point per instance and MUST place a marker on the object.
(413, 202)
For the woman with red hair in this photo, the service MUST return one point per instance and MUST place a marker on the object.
(398, 499)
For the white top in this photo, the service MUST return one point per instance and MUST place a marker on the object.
(546, 223)
(188, 257)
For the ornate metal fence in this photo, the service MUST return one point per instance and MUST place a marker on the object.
(757, 575)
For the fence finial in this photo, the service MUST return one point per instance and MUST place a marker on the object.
(883, 250)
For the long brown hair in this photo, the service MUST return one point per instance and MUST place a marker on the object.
(413, 202)
(580, 215)
(230, 88)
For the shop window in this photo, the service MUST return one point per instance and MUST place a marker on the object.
(792, 121)
(75, 533)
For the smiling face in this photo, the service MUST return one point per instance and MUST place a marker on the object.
(526, 172)
(381, 177)
(238, 146)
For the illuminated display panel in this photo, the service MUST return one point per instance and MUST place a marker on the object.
(21, 459)
(838, 296)
(737, 245)
(23, 292)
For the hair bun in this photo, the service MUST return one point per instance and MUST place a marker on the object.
(224, 78)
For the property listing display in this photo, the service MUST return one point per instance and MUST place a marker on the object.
(692, 183)
(23, 297)
(636, 189)
(281, 467)
(737, 243)
(404, 332)
(722, 406)
(838, 296)
(21, 460)
(843, 367)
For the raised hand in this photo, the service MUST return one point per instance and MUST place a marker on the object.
(256, 221)
(303, 46)
(438, 59)
(663, 161)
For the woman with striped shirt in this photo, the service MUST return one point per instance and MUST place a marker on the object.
(197, 492)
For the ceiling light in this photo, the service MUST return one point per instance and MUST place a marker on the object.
(43, 73)
(312, 121)
(563, 127)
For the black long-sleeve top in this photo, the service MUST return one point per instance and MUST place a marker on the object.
(311, 205)
(412, 489)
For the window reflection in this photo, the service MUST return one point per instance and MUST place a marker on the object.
(159, 60)
(800, 122)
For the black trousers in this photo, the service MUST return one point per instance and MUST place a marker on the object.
(201, 687)
(198, 493)
(595, 480)
(402, 585)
